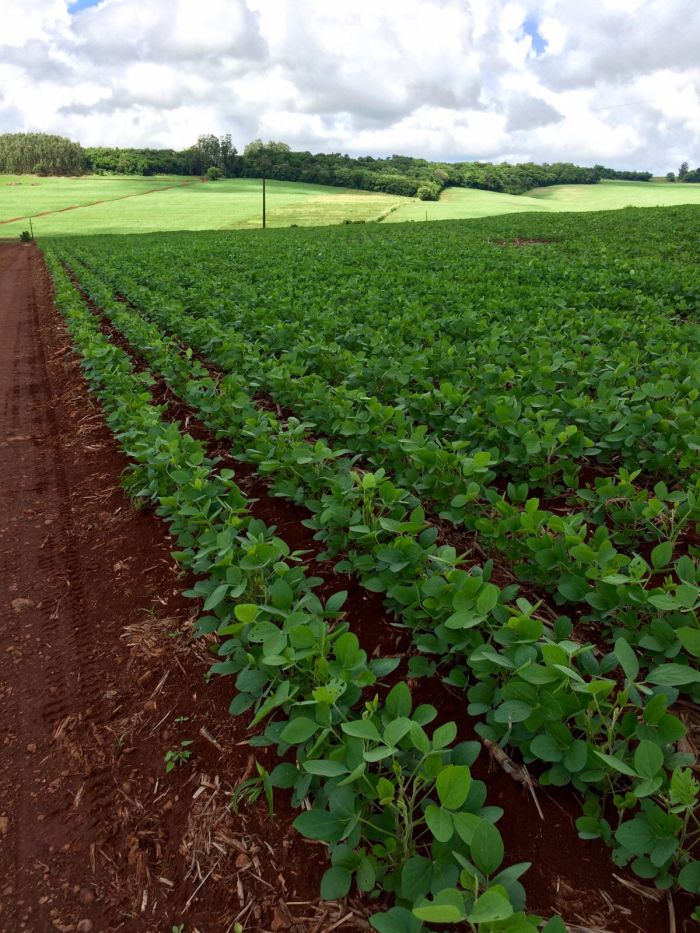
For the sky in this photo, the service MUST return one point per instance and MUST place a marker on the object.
(591, 81)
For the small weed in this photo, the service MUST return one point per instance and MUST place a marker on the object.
(178, 756)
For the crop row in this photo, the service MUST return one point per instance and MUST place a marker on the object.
(398, 806)
(589, 568)
(506, 351)
(546, 695)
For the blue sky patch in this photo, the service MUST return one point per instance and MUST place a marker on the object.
(530, 29)
(75, 6)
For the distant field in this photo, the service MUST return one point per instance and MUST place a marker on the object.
(133, 204)
(187, 204)
(462, 203)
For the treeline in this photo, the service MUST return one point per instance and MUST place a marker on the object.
(216, 156)
(604, 172)
(40, 154)
(685, 173)
(208, 152)
(405, 175)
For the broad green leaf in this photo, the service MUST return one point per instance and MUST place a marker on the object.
(673, 675)
(216, 597)
(662, 554)
(439, 822)
(453, 786)
(324, 767)
(299, 730)
(487, 847)
(335, 883)
(362, 729)
(396, 920)
(627, 658)
(648, 759)
(617, 764)
(635, 835)
(689, 877)
(493, 905)
(320, 824)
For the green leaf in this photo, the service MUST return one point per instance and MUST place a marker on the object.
(446, 907)
(215, 597)
(444, 735)
(419, 739)
(362, 729)
(689, 877)
(396, 920)
(439, 822)
(546, 748)
(615, 763)
(493, 905)
(335, 883)
(285, 775)
(648, 759)
(365, 875)
(396, 730)
(299, 730)
(627, 658)
(439, 913)
(324, 767)
(487, 847)
(336, 601)
(512, 711)
(487, 598)
(398, 702)
(635, 836)
(673, 675)
(453, 786)
(246, 612)
(662, 554)
(319, 824)
(690, 639)
(379, 753)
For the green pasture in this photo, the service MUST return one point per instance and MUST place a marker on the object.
(130, 205)
(134, 204)
(463, 203)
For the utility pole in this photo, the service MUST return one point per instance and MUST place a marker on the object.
(264, 169)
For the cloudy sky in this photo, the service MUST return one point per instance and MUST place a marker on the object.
(611, 81)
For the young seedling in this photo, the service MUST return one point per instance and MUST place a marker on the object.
(177, 756)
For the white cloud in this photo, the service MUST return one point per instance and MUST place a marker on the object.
(612, 81)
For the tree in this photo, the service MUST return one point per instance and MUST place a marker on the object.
(210, 150)
(670, 176)
(428, 193)
(682, 171)
(21, 153)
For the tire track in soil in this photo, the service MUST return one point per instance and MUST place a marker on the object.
(53, 672)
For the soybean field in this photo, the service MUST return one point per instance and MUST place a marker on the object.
(435, 488)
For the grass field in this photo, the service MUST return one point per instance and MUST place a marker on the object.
(187, 204)
(66, 206)
(464, 203)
